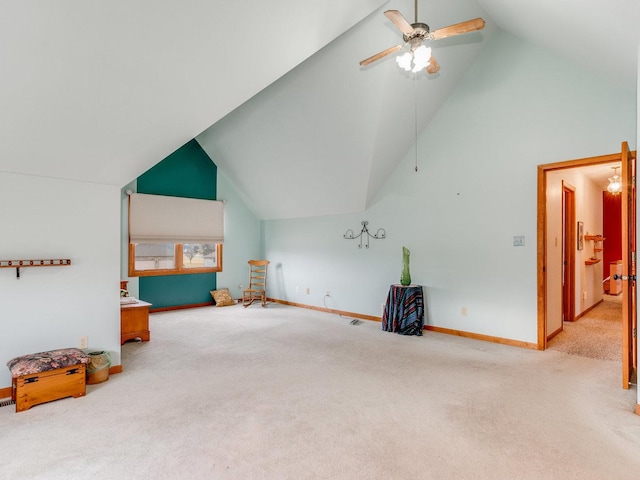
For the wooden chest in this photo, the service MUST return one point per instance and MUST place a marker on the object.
(33, 389)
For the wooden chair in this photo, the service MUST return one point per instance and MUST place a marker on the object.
(257, 283)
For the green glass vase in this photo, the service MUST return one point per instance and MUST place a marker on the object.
(405, 277)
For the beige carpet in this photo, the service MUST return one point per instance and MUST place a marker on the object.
(596, 335)
(286, 393)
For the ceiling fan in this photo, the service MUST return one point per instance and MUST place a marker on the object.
(416, 35)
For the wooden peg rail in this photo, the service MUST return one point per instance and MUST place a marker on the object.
(18, 264)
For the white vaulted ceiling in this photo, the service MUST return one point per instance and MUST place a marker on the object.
(101, 91)
(323, 139)
(329, 133)
(601, 36)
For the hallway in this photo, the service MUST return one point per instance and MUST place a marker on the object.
(598, 334)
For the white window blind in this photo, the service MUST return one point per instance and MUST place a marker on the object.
(163, 219)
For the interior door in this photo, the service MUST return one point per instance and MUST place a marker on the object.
(568, 253)
(629, 317)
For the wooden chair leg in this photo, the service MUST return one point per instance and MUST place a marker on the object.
(249, 297)
(244, 300)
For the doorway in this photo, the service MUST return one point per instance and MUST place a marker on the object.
(555, 302)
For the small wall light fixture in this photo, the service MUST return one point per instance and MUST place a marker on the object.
(365, 234)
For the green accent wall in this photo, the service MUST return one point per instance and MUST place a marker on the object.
(187, 172)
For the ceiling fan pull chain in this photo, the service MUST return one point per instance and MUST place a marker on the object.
(415, 112)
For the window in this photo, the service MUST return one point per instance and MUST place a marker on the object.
(174, 235)
(153, 259)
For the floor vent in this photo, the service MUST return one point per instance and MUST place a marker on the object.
(6, 403)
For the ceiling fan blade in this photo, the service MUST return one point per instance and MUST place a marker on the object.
(399, 21)
(380, 55)
(458, 28)
(433, 66)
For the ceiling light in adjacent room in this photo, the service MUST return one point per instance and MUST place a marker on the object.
(615, 183)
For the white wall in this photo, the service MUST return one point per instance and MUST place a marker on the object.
(589, 209)
(476, 188)
(242, 238)
(52, 307)
(554, 250)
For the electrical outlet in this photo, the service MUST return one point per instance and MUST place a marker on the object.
(463, 311)
(308, 291)
(83, 342)
(584, 295)
(328, 294)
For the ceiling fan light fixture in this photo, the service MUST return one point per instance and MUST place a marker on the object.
(415, 60)
(404, 61)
